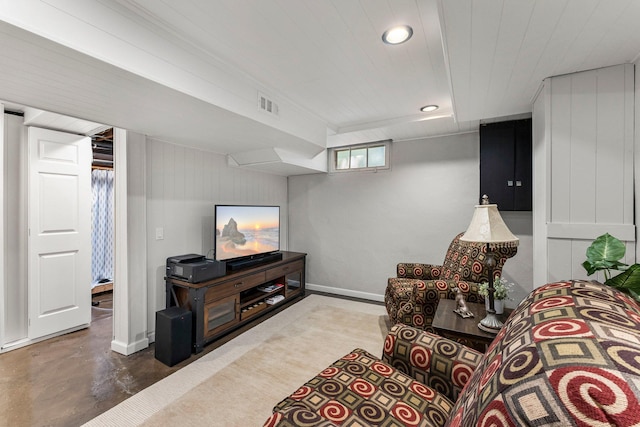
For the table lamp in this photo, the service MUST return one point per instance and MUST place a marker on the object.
(488, 227)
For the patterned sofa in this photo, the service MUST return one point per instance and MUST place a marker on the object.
(569, 355)
(412, 297)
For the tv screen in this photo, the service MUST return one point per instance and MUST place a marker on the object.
(246, 231)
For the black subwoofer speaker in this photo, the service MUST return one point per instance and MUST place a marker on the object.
(173, 335)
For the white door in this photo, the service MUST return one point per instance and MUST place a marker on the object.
(59, 231)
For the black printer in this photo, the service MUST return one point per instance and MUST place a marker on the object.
(194, 268)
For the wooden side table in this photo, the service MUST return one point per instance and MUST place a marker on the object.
(449, 325)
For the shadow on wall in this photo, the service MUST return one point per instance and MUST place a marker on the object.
(519, 269)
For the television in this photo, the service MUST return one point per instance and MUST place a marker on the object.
(244, 231)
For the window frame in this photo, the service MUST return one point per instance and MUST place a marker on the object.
(333, 156)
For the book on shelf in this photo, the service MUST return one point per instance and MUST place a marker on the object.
(270, 288)
(274, 299)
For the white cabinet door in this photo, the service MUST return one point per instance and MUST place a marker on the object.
(59, 231)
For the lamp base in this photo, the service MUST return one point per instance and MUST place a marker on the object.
(490, 324)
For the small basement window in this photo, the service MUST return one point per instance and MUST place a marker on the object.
(360, 157)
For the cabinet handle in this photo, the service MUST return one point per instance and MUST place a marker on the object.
(509, 183)
(237, 285)
(518, 183)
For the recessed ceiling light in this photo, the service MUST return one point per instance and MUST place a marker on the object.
(429, 108)
(397, 35)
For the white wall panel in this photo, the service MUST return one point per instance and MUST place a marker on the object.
(587, 182)
(561, 153)
(541, 183)
(581, 145)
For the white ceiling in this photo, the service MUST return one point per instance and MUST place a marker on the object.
(189, 71)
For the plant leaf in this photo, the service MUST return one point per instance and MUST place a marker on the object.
(606, 248)
(628, 281)
(605, 253)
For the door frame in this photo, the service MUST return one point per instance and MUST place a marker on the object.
(121, 309)
(2, 225)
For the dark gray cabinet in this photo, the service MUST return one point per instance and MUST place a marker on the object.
(506, 164)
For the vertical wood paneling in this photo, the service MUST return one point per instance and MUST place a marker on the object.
(582, 148)
(189, 176)
(179, 173)
(578, 254)
(559, 259)
(541, 182)
(611, 167)
(590, 181)
(630, 142)
(560, 149)
(197, 176)
(184, 185)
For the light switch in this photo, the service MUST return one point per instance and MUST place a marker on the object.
(159, 233)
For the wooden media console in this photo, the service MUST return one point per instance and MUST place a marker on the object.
(222, 304)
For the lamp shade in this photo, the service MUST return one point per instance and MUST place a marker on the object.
(488, 227)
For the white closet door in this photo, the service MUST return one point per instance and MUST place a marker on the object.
(59, 231)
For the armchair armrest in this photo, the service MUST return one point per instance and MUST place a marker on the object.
(437, 362)
(433, 291)
(409, 270)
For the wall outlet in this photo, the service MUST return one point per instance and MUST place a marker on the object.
(159, 233)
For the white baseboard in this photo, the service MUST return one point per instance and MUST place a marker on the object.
(345, 292)
(127, 349)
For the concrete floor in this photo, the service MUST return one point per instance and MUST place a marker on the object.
(68, 380)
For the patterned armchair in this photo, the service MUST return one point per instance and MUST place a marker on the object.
(412, 297)
(415, 383)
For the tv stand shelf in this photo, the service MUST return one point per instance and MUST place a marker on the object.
(225, 303)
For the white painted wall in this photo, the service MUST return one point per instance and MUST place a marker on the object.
(182, 187)
(357, 226)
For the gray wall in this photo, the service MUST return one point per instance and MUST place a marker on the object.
(357, 226)
(15, 275)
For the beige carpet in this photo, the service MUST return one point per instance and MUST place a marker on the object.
(239, 383)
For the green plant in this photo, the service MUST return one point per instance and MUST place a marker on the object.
(500, 286)
(604, 255)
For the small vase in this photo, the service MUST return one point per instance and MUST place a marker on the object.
(498, 305)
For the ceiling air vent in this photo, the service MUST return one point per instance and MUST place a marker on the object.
(267, 105)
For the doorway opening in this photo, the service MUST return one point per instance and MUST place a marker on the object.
(102, 222)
